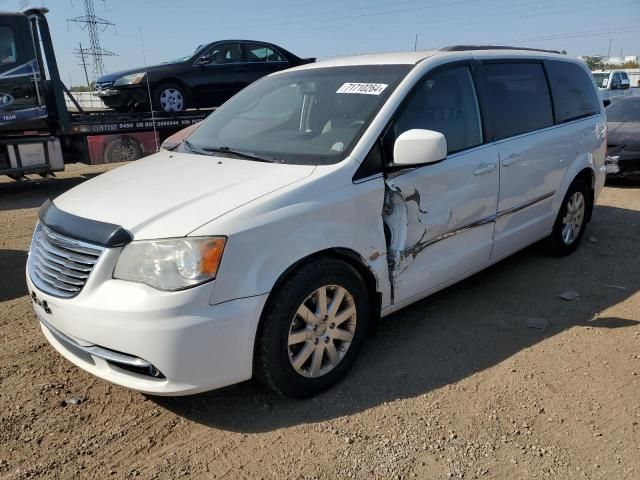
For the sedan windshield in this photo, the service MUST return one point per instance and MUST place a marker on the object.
(313, 116)
(624, 111)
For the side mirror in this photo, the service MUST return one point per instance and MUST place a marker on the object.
(419, 147)
(204, 60)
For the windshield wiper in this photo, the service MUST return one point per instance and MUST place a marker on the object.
(195, 149)
(239, 154)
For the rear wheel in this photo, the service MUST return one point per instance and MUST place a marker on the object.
(571, 221)
(122, 149)
(313, 329)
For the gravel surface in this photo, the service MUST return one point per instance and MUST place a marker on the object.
(504, 375)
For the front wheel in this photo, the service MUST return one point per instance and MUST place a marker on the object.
(170, 97)
(313, 329)
(571, 221)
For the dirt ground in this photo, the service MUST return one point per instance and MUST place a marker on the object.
(459, 385)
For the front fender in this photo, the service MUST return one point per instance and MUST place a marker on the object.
(274, 235)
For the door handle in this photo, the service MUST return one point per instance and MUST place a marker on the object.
(511, 159)
(485, 168)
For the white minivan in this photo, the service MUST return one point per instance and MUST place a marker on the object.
(314, 202)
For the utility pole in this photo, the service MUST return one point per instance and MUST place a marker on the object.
(609, 51)
(415, 43)
(90, 22)
(83, 62)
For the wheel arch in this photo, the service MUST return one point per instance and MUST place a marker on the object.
(588, 176)
(348, 256)
(585, 172)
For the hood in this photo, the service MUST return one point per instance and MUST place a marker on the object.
(623, 133)
(112, 77)
(171, 194)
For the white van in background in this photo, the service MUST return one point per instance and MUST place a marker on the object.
(312, 203)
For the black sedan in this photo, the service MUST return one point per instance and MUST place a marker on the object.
(623, 140)
(207, 78)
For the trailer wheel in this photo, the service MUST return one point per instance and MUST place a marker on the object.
(122, 149)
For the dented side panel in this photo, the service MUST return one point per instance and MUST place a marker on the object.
(440, 220)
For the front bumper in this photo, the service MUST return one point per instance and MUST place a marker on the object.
(160, 343)
(623, 165)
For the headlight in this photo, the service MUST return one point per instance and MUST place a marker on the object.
(129, 79)
(171, 264)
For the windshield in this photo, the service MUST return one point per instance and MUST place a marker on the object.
(187, 57)
(181, 59)
(313, 116)
(600, 78)
(624, 111)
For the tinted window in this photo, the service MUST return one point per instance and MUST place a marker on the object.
(445, 102)
(257, 52)
(225, 53)
(8, 52)
(518, 98)
(573, 92)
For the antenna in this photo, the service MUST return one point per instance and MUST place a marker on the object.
(146, 76)
(93, 24)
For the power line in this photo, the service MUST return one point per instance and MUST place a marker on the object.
(92, 23)
(580, 34)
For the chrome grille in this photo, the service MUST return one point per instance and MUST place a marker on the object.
(100, 86)
(60, 265)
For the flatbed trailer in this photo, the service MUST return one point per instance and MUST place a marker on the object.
(39, 134)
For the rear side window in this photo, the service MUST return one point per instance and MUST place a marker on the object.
(518, 98)
(258, 52)
(572, 90)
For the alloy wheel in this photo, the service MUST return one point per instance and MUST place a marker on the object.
(124, 152)
(321, 331)
(573, 219)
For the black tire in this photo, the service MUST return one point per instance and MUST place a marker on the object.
(158, 93)
(122, 149)
(556, 244)
(272, 363)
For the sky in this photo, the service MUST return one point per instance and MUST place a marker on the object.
(170, 29)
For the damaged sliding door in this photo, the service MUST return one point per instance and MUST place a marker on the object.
(440, 218)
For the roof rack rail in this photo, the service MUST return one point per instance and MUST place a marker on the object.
(464, 48)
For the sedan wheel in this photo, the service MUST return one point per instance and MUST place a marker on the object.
(171, 100)
(321, 331)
